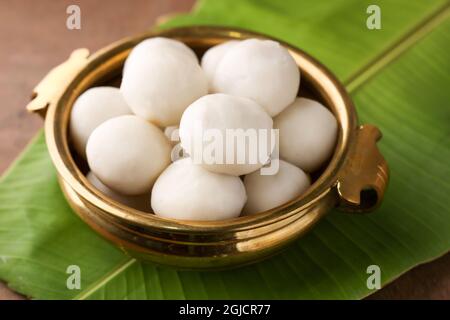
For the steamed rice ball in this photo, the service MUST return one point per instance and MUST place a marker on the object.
(159, 85)
(265, 192)
(93, 107)
(160, 46)
(227, 134)
(139, 202)
(127, 154)
(261, 70)
(308, 132)
(212, 57)
(187, 191)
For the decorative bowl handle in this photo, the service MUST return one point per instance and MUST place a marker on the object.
(56, 81)
(363, 181)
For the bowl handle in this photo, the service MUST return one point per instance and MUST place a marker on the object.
(364, 178)
(50, 89)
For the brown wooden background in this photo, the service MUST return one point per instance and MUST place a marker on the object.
(34, 38)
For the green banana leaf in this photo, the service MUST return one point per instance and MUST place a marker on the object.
(398, 77)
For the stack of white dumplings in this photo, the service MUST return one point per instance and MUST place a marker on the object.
(161, 142)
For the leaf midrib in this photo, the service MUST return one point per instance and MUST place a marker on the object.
(352, 83)
(397, 48)
(105, 279)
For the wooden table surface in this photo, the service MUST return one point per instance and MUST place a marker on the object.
(34, 38)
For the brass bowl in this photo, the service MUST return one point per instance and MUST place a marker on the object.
(354, 179)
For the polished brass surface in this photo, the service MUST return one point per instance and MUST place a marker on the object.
(356, 167)
(364, 178)
(50, 89)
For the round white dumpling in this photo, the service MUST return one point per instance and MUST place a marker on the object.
(212, 57)
(140, 202)
(261, 70)
(265, 192)
(127, 154)
(187, 191)
(307, 135)
(93, 107)
(160, 46)
(159, 86)
(227, 134)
